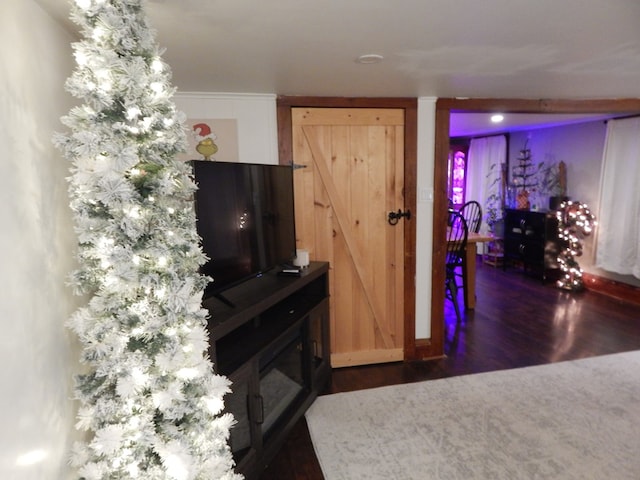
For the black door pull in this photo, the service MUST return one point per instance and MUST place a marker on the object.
(394, 217)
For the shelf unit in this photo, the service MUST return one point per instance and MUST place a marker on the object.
(270, 336)
(531, 239)
(495, 258)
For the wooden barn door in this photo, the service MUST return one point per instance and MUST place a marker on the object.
(353, 161)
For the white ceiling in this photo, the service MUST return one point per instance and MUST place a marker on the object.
(565, 49)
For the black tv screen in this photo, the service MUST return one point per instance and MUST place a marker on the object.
(245, 218)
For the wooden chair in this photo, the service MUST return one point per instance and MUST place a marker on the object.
(472, 213)
(457, 233)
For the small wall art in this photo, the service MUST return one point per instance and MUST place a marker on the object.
(212, 140)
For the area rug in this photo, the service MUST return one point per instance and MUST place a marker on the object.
(569, 420)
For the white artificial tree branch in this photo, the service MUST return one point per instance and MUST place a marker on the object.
(150, 399)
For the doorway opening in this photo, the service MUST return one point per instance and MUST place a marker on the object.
(444, 108)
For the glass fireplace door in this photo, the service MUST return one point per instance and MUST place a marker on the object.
(282, 379)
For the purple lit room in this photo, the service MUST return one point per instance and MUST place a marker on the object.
(541, 179)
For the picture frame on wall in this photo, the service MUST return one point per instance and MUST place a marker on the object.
(212, 140)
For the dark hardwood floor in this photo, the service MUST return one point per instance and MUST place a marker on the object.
(518, 322)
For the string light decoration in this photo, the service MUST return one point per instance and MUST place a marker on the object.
(150, 401)
(574, 220)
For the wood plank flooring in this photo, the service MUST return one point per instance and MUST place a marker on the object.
(518, 322)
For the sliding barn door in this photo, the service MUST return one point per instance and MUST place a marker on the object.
(352, 178)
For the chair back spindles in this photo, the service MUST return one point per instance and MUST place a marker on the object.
(457, 233)
(472, 213)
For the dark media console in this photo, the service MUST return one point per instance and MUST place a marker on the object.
(531, 239)
(273, 344)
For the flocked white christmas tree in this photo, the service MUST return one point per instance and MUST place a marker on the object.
(149, 400)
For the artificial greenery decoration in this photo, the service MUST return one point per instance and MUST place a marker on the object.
(493, 205)
(150, 401)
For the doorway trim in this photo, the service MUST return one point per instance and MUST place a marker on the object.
(444, 107)
(284, 104)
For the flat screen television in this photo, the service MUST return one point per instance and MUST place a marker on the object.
(245, 218)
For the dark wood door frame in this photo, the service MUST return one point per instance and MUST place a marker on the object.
(284, 104)
(444, 107)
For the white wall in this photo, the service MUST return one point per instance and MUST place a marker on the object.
(579, 146)
(424, 215)
(255, 115)
(37, 354)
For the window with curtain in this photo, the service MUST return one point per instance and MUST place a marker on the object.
(485, 162)
(457, 168)
(618, 233)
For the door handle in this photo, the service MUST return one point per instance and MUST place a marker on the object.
(260, 409)
(394, 217)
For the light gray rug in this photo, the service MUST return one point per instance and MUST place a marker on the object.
(570, 420)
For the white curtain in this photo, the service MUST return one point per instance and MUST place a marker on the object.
(618, 231)
(484, 171)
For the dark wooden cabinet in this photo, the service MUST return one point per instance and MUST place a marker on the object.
(531, 240)
(270, 336)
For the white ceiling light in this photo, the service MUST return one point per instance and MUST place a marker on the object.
(369, 58)
(497, 118)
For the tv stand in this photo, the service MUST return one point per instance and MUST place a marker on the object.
(224, 300)
(270, 336)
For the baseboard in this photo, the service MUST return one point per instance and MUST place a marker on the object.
(424, 350)
(612, 288)
(366, 357)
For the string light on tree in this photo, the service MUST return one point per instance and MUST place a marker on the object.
(149, 399)
(575, 220)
